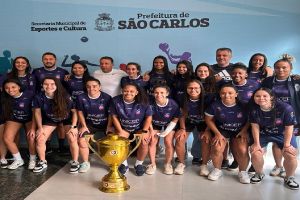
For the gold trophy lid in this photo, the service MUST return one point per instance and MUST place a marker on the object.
(115, 140)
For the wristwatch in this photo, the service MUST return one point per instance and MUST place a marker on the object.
(144, 131)
(73, 126)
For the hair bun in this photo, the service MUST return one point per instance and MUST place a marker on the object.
(288, 57)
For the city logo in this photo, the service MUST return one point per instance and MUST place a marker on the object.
(104, 22)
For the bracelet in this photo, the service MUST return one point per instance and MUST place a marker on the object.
(144, 131)
(182, 129)
(73, 126)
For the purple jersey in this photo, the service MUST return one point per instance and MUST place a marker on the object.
(131, 115)
(280, 88)
(42, 72)
(163, 115)
(21, 107)
(75, 86)
(194, 115)
(159, 79)
(46, 105)
(179, 88)
(226, 118)
(256, 76)
(139, 81)
(95, 110)
(246, 90)
(273, 122)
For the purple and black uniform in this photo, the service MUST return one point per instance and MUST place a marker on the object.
(21, 108)
(46, 105)
(159, 79)
(42, 72)
(228, 120)
(280, 88)
(27, 81)
(95, 110)
(131, 115)
(246, 90)
(139, 81)
(179, 88)
(163, 115)
(272, 123)
(194, 116)
(75, 86)
(256, 76)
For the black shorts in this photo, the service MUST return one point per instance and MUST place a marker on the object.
(65, 122)
(98, 132)
(190, 127)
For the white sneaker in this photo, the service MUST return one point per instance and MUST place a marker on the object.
(215, 174)
(179, 170)
(151, 169)
(40, 167)
(278, 171)
(168, 169)
(84, 167)
(244, 177)
(16, 164)
(31, 164)
(204, 170)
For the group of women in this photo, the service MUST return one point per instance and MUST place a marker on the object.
(255, 108)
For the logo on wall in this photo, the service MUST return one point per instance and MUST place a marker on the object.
(104, 22)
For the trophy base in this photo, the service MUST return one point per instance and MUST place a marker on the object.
(113, 185)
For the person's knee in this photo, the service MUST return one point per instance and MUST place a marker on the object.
(289, 152)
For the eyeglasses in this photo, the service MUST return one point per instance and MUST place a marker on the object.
(193, 88)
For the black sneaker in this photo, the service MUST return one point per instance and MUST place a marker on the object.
(225, 164)
(196, 161)
(123, 169)
(291, 183)
(234, 166)
(140, 170)
(257, 178)
(40, 167)
(74, 167)
(251, 170)
(4, 164)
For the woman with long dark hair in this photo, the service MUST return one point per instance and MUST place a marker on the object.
(52, 107)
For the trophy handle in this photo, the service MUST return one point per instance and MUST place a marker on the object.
(91, 137)
(139, 136)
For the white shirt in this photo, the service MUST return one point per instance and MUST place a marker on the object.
(111, 81)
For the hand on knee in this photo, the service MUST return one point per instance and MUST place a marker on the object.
(289, 151)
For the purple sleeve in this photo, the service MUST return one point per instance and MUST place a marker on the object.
(289, 116)
(36, 102)
(112, 108)
(148, 111)
(210, 110)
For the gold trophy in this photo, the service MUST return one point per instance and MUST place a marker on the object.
(113, 150)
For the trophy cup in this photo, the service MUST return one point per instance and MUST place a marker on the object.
(113, 150)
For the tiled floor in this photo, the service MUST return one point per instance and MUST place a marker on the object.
(159, 186)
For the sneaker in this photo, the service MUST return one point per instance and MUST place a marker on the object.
(74, 167)
(251, 170)
(31, 164)
(196, 161)
(225, 164)
(244, 177)
(257, 178)
(179, 170)
(40, 167)
(3, 163)
(151, 169)
(168, 169)
(291, 183)
(84, 167)
(204, 170)
(140, 170)
(215, 174)
(123, 169)
(278, 171)
(16, 164)
(234, 166)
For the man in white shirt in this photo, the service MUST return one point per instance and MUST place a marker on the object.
(110, 78)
